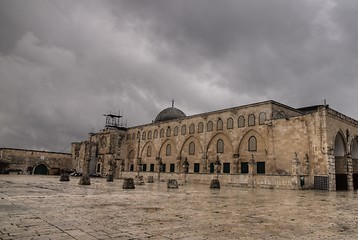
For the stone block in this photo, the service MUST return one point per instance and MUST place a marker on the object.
(85, 180)
(172, 183)
(215, 183)
(128, 183)
(65, 177)
(139, 180)
(150, 179)
(109, 178)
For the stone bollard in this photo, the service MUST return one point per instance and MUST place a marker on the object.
(85, 180)
(109, 178)
(139, 180)
(172, 183)
(65, 177)
(128, 183)
(215, 183)
(150, 179)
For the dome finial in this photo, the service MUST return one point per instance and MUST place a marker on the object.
(172, 102)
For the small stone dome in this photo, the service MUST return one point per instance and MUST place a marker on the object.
(169, 114)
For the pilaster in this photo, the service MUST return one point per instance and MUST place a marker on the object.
(295, 173)
(331, 171)
(236, 163)
(350, 172)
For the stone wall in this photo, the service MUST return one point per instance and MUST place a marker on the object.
(277, 140)
(99, 150)
(270, 134)
(26, 161)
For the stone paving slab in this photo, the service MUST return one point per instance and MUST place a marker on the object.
(42, 207)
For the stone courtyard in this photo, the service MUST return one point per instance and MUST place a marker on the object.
(42, 207)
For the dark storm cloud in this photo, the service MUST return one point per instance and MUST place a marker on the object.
(65, 63)
(288, 50)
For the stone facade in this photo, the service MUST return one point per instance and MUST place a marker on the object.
(264, 144)
(34, 162)
(99, 151)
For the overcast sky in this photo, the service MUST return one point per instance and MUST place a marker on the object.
(65, 63)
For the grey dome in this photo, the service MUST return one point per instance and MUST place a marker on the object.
(169, 114)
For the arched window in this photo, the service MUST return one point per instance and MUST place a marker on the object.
(176, 130)
(251, 120)
(144, 135)
(131, 154)
(183, 130)
(191, 128)
(161, 133)
(150, 135)
(155, 134)
(262, 118)
(219, 124)
(241, 122)
(133, 135)
(149, 151)
(192, 148)
(339, 146)
(220, 146)
(252, 146)
(168, 150)
(169, 132)
(200, 127)
(230, 123)
(209, 126)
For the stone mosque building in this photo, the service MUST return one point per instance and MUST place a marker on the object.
(265, 144)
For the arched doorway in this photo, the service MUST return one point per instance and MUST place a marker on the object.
(340, 163)
(41, 169)
(129, 165)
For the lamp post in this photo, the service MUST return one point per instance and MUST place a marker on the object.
(139, 166)
(185, 168)
(139, 179)
(215, 183)
(252, 171)
(217, 166)
(85, 178)
(112, 166)
(160, 164)
(121, 165)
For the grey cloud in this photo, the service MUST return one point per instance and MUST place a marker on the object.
(63, 63)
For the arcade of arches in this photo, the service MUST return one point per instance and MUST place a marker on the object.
(265, 144)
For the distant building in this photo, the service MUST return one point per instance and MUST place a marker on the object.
(265, 144)
(13, 160)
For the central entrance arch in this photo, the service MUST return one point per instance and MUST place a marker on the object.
(340, 163)
(41, 169)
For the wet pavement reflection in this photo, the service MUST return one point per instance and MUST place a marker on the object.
(42, 207)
